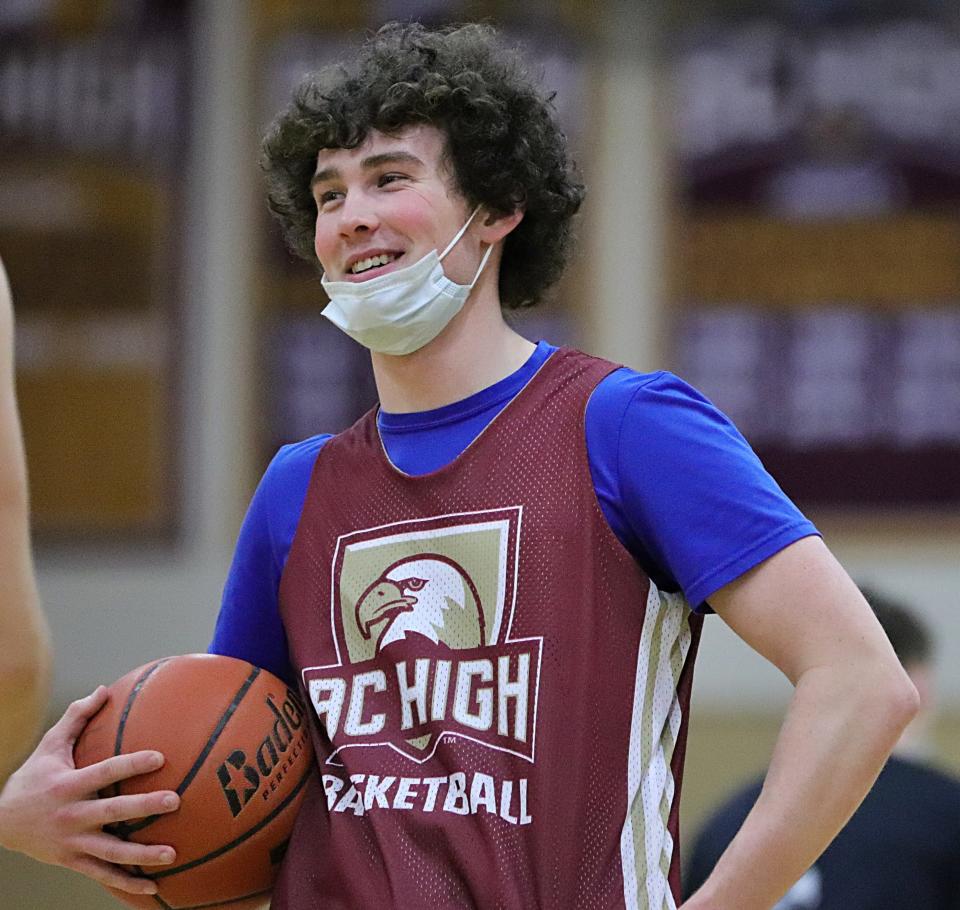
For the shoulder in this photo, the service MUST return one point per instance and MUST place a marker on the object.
(293, 463)
(651, 396)
(274, 511)
(684, 483)
(657, 413)
(283, 488)
(296, 455)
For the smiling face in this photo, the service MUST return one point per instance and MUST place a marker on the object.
(386, 204)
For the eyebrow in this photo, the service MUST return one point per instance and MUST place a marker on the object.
(368, 164)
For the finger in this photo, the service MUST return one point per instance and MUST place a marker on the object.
(113, 877)
(126, 853)
(95, 813)
(66, 730)
(116, 768)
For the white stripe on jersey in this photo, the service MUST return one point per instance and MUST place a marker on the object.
(646, 847)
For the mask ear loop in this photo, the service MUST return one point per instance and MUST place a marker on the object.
(483, 262)
(459, 234)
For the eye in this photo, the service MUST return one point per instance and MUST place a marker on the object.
(386, 179)
(415, 584)
(326, 197)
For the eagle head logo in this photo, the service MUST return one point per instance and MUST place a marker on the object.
(428, 594)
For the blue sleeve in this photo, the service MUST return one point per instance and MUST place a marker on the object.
(680, 486)
(248, 625)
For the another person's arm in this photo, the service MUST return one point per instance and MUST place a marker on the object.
(47, 807)
(852, 699)
(24, 639)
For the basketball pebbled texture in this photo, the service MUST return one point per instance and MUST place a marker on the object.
(237, 751)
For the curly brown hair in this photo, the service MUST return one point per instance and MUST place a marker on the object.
(504, 145)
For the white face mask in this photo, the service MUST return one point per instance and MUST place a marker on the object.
(398, 313)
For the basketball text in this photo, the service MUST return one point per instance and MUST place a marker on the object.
(242, 776)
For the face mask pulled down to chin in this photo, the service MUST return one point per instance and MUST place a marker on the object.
(399, 312)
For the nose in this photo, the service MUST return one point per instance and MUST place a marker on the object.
(357, 216)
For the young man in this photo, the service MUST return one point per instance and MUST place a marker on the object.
(477, 588)
(902, 846)
(24, 640)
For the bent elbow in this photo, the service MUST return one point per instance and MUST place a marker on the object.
(901, 699)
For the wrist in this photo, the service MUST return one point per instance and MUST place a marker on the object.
(701, 901)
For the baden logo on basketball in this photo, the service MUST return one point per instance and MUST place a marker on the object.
(240, 779)
(421, 623)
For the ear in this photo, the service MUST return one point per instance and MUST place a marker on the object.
(493, 228)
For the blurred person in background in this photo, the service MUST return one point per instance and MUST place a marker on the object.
(901, 849)
(24, 639)
(476, 746)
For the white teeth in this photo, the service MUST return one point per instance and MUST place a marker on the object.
(372, 262)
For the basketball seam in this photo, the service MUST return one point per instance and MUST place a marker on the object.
(226, 848)
(221, 724)
(128, 705)
(131, 697)
(128, 829)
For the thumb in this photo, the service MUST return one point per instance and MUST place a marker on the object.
(64, 733)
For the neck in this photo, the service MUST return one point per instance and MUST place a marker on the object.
(474, 351)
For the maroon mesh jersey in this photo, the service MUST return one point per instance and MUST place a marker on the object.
(498, 693)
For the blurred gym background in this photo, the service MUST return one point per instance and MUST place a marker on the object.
(772, 212)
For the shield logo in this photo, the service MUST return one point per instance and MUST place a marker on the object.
(421, 615)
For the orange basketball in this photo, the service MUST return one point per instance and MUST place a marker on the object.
(238, 753)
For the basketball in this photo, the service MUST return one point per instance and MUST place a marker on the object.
(237, 751)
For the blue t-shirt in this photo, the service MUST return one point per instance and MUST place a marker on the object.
(680, 487)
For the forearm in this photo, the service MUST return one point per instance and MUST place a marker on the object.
(24, 687)
(828, 754)
(25, 656)
(24, 637)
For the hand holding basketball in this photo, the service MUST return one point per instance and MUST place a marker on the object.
(237, 751)
(49, 809)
